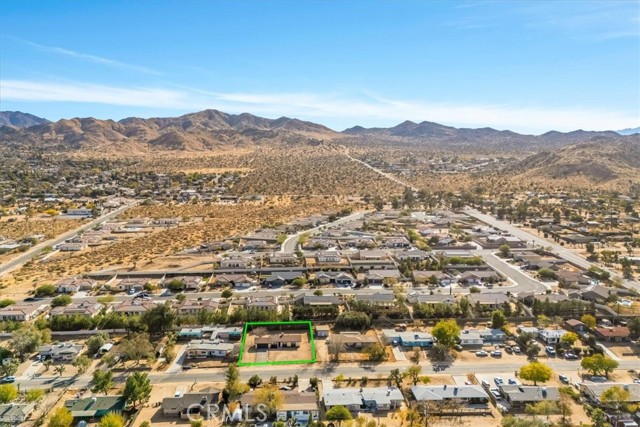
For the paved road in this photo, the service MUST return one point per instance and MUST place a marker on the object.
(312, 370)
(25, 257)
(565, 253)
(290, 244)
(384, 174)
(524, 283)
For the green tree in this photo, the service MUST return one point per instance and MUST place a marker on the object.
(546, 273)
(45, 291)
(95, 342)
(589, 321)
(34, 395)
(159, 318)
(338, 413)
(569, 339)
(227, 293)
(504, 250)
(599, 418)
(137, 389)
(61, 418)
(599, 363)
(102, 381)
(136, 347)
(498, 319)
(254, 381)
(446, 332)
(233, 388)
(395, 377)
(26, 340)
(413, 372)
(82, 363)
(536, 372)
(61, 300)
(8, 393)
(271, 398)
(615, 397)
(10, 367)
(112, 419)
(634, 327)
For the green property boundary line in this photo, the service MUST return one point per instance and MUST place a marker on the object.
(278, 362)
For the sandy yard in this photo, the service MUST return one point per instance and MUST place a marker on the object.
(276, 353)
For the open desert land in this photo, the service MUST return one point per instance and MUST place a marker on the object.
(222, 221)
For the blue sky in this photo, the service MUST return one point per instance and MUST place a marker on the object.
(525, 66)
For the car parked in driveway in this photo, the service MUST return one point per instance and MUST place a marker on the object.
(481, 353)
(570, 356)
(550, 351)
(498, 380)
(9, 379)
(563, 379)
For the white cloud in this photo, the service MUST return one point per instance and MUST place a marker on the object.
(90, 58)
(370, 110)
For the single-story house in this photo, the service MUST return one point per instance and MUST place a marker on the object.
(282, 278)
(372, 398)
(240, 281)
(429, 276)
(193, 307)
(84, 309)
(408, 339)
(191, 283)
(227, 333)
(615, 334)
(15, 413)
(380, 299)
(189, 405)
(420, 298)
(551, 336)
(471, 338)
(379, 277)
(596, 293)
(75, 284)
(353, 340)
(593, 391)
(316, 300)
(22, 312)
(479, 277)
(60, 352)
(191, 333)
(281, 340)
(489, 301)
(519, 396)
(200, 349)
(412, 255)
(492, 335)
(576, 326)
(264, 303)
(336, 278)
(94, 408)
(134, 307)
(299, 406)
(467, 394)
(135, 283)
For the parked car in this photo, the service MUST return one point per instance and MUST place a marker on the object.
(516, 349)
(550, 351)
(496, 353)
(498, 381)
(570, 356)
(512, 381)
(9, 379)
(496, 393)
(481, 353)
(563, 379)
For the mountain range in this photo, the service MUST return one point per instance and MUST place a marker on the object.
(211, 129)
(19, 119)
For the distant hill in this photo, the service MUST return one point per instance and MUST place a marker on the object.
(204, 130)
(629, 131)
(428, 133)
(211, 130)
(20, 120)
(601, 161)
